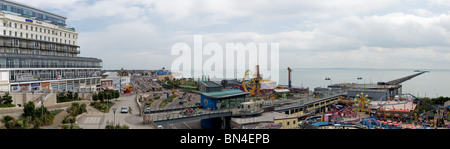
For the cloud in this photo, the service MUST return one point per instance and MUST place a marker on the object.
(339, 33)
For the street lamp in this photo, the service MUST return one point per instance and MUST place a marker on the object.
(114, 110)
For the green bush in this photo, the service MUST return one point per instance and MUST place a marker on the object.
(69, 119)
(77, 109)
(29, 109)
(13, 123)
(40, 116)
(67, 97)
(111, 126)
(102, 106)
(6, 101)
(71, 126)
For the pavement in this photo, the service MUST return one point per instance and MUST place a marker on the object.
(57, 120)
(95, 119)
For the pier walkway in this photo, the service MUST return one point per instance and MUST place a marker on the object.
(403, 79)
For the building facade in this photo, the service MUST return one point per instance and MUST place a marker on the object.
(38, 53)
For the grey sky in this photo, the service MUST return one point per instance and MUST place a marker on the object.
(138, 34)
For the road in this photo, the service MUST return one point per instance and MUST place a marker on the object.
(98, 120)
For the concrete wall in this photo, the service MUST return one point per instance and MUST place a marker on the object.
(289, 123)
(22, 98)
(51, 100)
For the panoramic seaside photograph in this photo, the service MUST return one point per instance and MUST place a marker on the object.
(212, 72)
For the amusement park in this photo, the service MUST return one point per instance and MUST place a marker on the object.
(254, 103)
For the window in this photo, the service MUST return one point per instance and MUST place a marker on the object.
(15, 25)
(40, 30)
(20, 26)
(293, 122)
(26, 27)
(4, 32)
(31, 27)
(45, 30)
(287, 123)
(15, 34)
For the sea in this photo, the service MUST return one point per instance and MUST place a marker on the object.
(432, 84)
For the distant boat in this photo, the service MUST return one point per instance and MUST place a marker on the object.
(327, 78)
(359, 78)
(417, 71)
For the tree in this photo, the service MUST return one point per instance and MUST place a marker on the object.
(69, 95)
(28, 109)
(95, 96)
(116, 94)
(6, 99)
(101, 96)
(41, 111)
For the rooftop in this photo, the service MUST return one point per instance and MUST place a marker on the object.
(29, 7)
(211, 84)
(224, 94)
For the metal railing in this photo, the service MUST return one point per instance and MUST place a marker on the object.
(178, 115)
(307, 100)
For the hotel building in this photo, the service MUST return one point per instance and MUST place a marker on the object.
(39, 53)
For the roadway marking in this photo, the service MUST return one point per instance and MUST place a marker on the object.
(187, 125)
(92, 120)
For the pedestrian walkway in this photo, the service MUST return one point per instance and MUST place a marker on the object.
(58, 120)
(95, 119)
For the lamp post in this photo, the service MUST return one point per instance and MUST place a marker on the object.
(114, 110)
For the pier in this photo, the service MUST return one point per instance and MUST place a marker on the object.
(403, 79)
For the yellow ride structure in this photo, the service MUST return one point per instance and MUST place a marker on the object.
(254, 84)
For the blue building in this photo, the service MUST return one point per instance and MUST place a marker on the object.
(213, 97)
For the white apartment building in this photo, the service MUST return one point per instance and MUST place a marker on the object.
(38, 53)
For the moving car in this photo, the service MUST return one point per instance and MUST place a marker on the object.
(124, 110)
